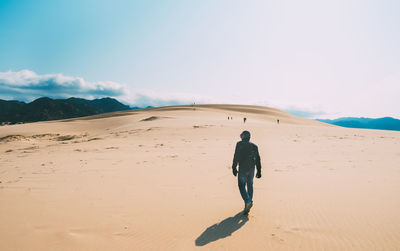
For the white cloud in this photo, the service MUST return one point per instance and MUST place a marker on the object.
(26, 85)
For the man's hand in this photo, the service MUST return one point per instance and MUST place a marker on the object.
(234, 171)
(258, 175)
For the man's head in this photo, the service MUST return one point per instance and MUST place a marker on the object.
(245, 135)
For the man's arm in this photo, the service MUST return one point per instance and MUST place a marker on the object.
(235, 160)
(258, 163)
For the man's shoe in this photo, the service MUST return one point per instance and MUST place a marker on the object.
(248, 207)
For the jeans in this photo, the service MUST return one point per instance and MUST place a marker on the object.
(246, 178)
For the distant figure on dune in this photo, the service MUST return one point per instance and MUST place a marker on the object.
(244, 120)
(247, 156)
(277, 121)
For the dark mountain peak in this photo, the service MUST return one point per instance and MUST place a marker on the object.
(41, 100)
(109, 104)
(106, 100)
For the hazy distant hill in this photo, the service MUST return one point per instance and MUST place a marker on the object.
(386, 123)
(45, 108)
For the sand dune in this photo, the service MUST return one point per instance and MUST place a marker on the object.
(160, 179)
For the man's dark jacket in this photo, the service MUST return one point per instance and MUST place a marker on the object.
(246, 154)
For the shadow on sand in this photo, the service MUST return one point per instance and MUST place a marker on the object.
(222, 229)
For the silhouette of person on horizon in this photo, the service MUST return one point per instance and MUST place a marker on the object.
(277, 121)
(248, 157)
(244, 120)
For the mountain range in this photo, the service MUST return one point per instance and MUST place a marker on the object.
(386, 123)
(43, 109)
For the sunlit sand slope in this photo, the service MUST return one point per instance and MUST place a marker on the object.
(160, 179)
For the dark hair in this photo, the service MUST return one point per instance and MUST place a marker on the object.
(245, 135)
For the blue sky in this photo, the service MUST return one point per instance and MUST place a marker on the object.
(317, 58)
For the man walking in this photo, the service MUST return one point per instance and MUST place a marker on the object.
(246, 154)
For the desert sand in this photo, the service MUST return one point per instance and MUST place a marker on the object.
(160, 179)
